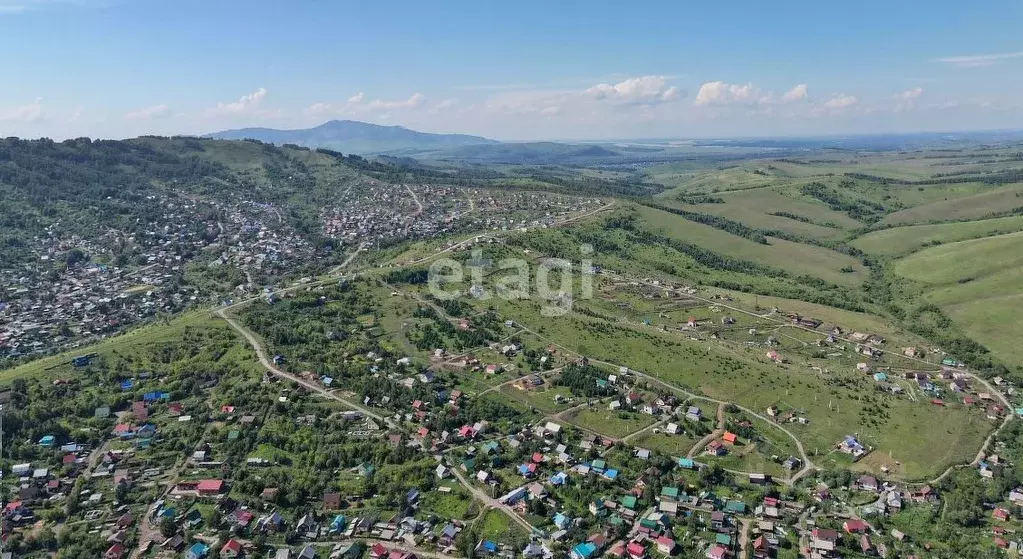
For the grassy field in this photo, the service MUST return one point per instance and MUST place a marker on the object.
(836, 404)
(978, 284)
(755, 208)
(606, 422)
(132, 341)
(455, 504)
(543, 398)
(496, 526)
(796, 257)
(672, 445)
(904, 240)
(974, 206)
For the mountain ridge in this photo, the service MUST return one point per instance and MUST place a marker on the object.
(352, 136)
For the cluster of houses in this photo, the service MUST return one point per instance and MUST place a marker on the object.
(381, 212)
(83, 298)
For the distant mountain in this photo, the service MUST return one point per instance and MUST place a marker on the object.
(526, 153)
(349, 136)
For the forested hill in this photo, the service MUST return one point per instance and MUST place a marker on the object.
(86, 187)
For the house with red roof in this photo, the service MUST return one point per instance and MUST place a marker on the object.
(666, 545)
(210, 487)
(1001, 514)
(761, 549)
(854, 526)
(716, 448)
(115, 551)
(824, 540)
(730, 438)
(231, 549)
(717, 551)
(635, 550)
(377, 551)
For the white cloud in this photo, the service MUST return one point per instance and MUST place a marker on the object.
(644, 89)
(413, 102)
(357, 98)
(446, 104)
(77, 115)
(318, 109)
(721, 93)
(149, 113)
(14, 7)
(247, 104)
(33, 112)
(907, 99)
(841, 101)
(910, 94)
(797, 93)
(979, 59)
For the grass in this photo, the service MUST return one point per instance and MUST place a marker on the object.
(797, 258)
(455, 504)
(978, 284)
(671, 445)
(606, 422)
(131, 341)
(913, 431)
(849, 321)
(904, 240)
(755, 209)
(542, 398)
(498, 527)
(973, 206)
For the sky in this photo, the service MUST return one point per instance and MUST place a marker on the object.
(523, 70)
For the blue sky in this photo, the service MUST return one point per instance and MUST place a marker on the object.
(511, 70)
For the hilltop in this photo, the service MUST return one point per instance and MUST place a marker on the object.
(350, 136)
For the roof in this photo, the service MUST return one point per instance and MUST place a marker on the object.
(210, 485)
(825, 534)
(585, 549)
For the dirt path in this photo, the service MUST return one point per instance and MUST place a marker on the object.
(416, 200)
(491, 502)
(717, 432)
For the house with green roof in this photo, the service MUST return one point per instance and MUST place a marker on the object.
(629, 502)
(669, 493)
(735, 507)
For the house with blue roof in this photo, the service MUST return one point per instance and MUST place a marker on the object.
(338, 524)
(559, 478)
(198, 551)
(561, 521)
(611, 474)
(489, 547)
(686, 463)
(585, 550)
(47, 441)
